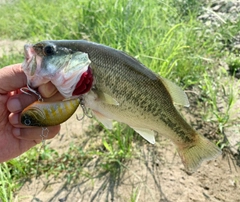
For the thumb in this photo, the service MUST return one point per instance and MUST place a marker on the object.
(12, 78)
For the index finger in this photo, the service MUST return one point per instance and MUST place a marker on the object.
(11, 78)
(47, 90)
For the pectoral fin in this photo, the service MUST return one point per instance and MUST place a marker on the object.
(104, 97)
(146, 134)
(104, 120)
(177, 94)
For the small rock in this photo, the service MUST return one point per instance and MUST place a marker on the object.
(233, 9)
(227, 7)
(217, 7)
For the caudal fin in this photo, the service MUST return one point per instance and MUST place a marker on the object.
(193, 155)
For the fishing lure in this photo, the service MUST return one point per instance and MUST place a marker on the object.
(45, 114)
(28, 90)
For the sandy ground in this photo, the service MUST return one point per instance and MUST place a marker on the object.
(155, 174)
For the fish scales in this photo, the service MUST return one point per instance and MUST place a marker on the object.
(114, 75)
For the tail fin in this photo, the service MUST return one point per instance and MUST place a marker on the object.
(193, 155)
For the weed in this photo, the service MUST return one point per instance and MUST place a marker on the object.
(6, 183)
(134, 196)
(8, 59)
(220, 98)
(117, 147)
(233, 62)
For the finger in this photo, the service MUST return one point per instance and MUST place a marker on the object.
(14, 119)
(36, 133)
(18, 102)
(19, 146)
(54, 98)
(11, 78)
(47, 90)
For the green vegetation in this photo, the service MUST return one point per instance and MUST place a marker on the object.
(164, 35)
(8, 59)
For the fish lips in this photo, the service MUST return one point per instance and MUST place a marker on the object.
(32, 67)
(30, 64)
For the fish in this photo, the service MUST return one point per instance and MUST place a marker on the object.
(125, 90)
(44, 114)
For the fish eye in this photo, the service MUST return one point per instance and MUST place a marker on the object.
(27, 122)
(48, 50)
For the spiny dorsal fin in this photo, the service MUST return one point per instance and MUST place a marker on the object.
(178, 95)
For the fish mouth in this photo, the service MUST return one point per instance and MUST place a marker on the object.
(30, 65)
(69, 72)
(28, 52)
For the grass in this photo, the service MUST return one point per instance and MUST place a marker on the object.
(157, 37)
(163, 35)
(8, 59)
(6, 183)
(220, 110)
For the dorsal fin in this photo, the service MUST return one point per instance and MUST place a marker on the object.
(178, 95)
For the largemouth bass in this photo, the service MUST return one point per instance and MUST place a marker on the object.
(125, 90)
(45, 114)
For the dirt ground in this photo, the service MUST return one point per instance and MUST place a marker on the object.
(8, 46)
(156, 174)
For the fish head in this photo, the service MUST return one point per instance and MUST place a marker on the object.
(69, 70)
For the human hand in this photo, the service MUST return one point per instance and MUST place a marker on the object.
(16, 138)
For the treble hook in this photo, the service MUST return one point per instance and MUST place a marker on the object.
(84, 110)
(28, 88)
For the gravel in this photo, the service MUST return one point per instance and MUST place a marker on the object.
(216, 13)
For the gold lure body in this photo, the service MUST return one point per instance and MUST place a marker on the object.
(45, 114)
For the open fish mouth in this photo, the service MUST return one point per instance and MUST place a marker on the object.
(28, 51)
(68, 70)
(31, 66)
(30, 59)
